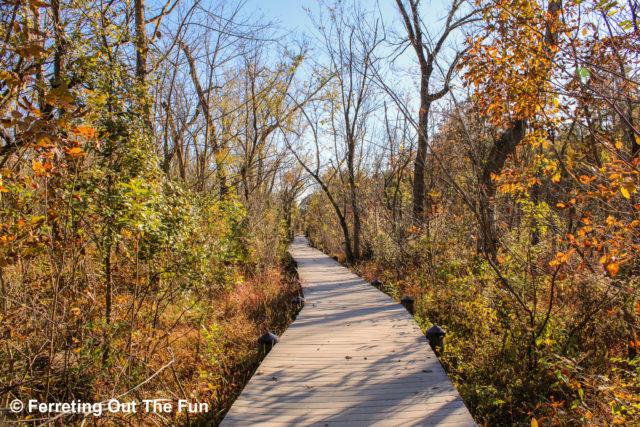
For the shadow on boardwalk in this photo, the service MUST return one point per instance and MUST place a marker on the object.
(353, 357)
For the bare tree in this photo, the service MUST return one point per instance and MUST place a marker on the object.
(349, 43)
(428, 49)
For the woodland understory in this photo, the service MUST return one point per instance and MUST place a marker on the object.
(156, 160)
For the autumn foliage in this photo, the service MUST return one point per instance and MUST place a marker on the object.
(528, 250)
(156, 159)
(119, 279)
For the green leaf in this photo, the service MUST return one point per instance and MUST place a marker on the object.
(583, 74)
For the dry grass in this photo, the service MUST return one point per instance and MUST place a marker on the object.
(210, 336)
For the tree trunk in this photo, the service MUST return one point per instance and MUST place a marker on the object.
(421, 160)
(501, 150)
(58, 56)
(343, 221)
(142, 52)
(210, 132)
(353, 194)
(142, 44)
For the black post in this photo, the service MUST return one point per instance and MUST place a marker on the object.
(435, 335)
(298, 302)
(407, 302)
(267, 341)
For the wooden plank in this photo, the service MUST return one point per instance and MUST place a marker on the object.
(336, 407)
(414, 410)
(442, 413)
(352, 357)
(449, 422)
(345, 376)
(302, 393)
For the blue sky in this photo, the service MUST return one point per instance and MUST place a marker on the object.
(291, 15)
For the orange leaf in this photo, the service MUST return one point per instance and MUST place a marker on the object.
(75, 151)
(613, 268)
(84, 131)
(37, 167)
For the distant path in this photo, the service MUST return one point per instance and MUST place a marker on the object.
(353, 357)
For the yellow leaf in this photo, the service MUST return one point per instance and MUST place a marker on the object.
(625, 192)
(59, 95)
(10, 78)
(44, 141)
(534, 422)
(37, 3)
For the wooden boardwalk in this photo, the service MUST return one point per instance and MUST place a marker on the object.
(353, 357)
